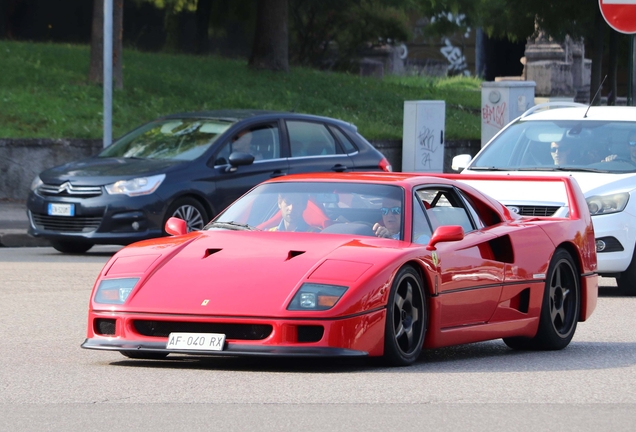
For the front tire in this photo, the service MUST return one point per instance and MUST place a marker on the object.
(191, 211)
(626, 281)
(405, 319)
(70, 247)
(559, 310)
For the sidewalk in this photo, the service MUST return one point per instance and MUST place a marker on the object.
(14, 224)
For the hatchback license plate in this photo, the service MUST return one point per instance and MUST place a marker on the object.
(196, 341)
(56, 209)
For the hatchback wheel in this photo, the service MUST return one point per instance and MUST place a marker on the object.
(191, 211)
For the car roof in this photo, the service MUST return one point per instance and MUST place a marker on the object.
(605, 113)
(400, 178)
(242, 114)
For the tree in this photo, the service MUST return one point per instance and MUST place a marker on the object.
(96, 69)
(270, 50)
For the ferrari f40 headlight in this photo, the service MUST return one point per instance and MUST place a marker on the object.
(317, 297)
(137, 186)
(606, 204)
(115, 291)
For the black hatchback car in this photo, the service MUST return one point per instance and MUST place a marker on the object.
(189, 165)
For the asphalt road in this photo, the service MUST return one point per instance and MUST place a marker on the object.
(48, 383)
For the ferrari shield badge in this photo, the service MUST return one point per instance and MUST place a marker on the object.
(435, 258)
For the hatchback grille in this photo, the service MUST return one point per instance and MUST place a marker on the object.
(231, 331)
(67, 189)
(536, 210)
(66, 224)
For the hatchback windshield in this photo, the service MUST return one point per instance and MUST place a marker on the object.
(181, 139)
(562, 145)
(340, 208)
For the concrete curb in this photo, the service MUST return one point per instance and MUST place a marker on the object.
(19, 238)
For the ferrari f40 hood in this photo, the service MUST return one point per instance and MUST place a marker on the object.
(238, 273)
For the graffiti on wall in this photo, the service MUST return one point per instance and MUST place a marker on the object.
(427, 147)
(494, 115)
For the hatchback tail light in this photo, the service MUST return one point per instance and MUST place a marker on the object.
(385, 165)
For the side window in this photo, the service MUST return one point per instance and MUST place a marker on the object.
(262, 141)
(421, 231)
(310, 139)
(473, 213)
(444, 207)
(346, 143)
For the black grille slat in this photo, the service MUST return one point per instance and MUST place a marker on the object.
(231, 331)
(537, 210)
(66, 224)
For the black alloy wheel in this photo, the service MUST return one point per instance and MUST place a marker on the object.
(405, 319)
(559, 310)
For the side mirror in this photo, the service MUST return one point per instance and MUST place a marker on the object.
(445, 233)
(237, 159)
(175, 226)
(460, 162)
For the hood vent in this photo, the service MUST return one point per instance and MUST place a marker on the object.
(209, 252)
(293, 254)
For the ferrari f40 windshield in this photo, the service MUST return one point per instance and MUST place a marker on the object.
(562, 145)
(345, 208)
(181, 139)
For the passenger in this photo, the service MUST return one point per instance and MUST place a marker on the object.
(292, 206)
(630, 148)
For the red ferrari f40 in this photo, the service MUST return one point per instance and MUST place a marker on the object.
(352, 264)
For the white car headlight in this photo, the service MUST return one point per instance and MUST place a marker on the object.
(36, 183)
(115, 291)
(606, 204)
(137, 186)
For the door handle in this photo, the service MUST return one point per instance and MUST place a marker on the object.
(339, 168)
(278, 173)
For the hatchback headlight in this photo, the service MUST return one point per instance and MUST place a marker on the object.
(316, 297)
(137, 186)
(36, 183)
(115, 291)
(606, 204)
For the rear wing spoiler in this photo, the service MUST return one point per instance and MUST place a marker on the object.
(564, 186)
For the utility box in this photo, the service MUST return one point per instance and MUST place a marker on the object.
(423, 136)
(502, 102)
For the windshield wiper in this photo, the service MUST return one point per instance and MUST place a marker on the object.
(479, 168)
(232, 226)
(580, 169)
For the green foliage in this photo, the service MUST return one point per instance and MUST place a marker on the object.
(330, 32)
(44, 93)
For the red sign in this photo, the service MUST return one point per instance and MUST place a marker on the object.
(619, 14)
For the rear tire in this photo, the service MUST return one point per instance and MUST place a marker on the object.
(70, 247)
(559, 310)
(406, 318)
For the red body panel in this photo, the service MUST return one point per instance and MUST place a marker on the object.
(473, 286)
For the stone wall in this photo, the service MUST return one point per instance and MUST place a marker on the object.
(21, 160)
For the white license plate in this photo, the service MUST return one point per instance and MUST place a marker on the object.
(196, 341)
(56, 209)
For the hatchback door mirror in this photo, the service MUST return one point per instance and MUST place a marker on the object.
(460, 162)
(175, 226)
(237, 159)
(446, 233)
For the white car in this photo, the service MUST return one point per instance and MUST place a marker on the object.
(597, 140)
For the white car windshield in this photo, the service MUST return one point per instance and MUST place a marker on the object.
(562, 145)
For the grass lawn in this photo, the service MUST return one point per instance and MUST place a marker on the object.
(44, 93)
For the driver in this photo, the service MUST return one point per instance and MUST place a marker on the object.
(630, 147)
(292, 206)
(391, 219)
